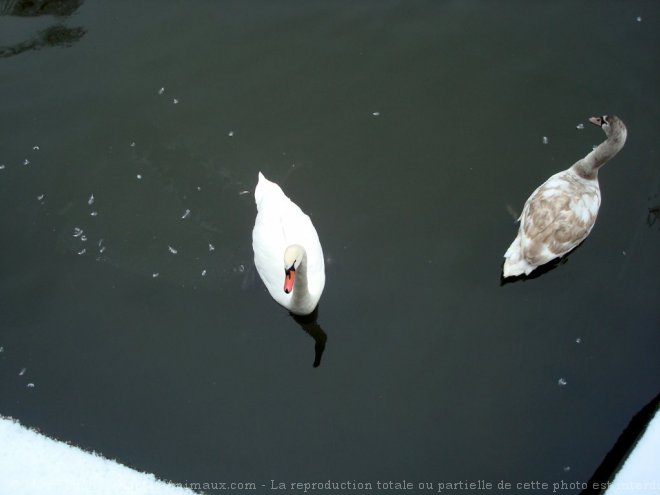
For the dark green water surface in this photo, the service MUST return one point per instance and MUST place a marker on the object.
(411, 132)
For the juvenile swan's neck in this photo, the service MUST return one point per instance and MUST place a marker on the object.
(587, 168)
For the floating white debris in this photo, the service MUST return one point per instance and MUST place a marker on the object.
(2, 349)
(80, 253)
(241, 193)
(175, 101)
(230, 134)
(100, 242)
(639, 18)
(102, 249)
(83, 238)
(203, 273)
(545, 140)
(2, 167)
(30, 385)
(579, 126)
(77, 232)
(185, 215)
(22, 372)
(161, 91)
(375, 114)
(578, 340)
(40, 197)
(133, 144)
(35, 148)
(567, 469)
(240, 268)
(211, 247)
(155, 275)
(561, 382)
(26, 162)
(199, 188)
(172, 250)
(94, 213)
(623, 252)
(90, 201)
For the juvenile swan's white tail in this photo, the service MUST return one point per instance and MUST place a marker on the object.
(515, 264)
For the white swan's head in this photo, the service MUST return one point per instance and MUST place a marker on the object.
(612, 126)
(293, 256)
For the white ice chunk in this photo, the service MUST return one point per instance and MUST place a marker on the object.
(561, 382)
(580, 126)
(35, 148)
(241, 193)
(639, 18)
(2, 166)
(80, 253)
(230, 133)
(33, 464)
(172, 250)
(155, 275)
(211, 247)
(175, 101)
(26, 162)
(185, 215)
(40, 197)
(375, 114)
(30, 385)
(94, 213)
(203, 273)
(161, 91)
(22, 372)
(545, 140)
(90, 201)
(77, 232)
(139, 177)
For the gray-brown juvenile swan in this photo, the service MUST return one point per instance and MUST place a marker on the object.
(562, 211)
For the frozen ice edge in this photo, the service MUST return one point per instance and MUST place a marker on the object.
(31, 464)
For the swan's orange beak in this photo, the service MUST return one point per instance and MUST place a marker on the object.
(289, 276)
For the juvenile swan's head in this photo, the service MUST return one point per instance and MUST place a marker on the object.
(612, 126)
(293, 256)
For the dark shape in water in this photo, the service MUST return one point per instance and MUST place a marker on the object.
(34, 8)
(309, 323)
(654, 213)
(56, 35)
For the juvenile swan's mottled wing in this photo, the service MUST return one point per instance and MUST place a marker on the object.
(557, 217)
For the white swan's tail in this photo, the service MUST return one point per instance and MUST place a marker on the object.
(515, 263)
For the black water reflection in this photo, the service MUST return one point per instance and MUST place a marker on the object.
(654, 213)
(309, 323)
(55, 35)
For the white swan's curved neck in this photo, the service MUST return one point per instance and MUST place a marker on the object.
(587, 168)
(300, 294)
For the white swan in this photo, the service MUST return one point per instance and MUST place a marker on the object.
(562, 211)
(287, 251)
